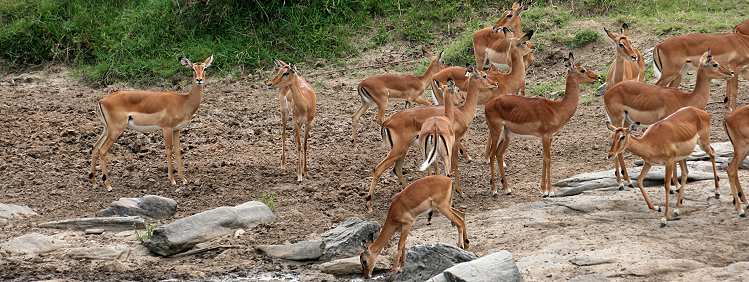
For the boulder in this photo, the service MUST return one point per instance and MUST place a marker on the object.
(32, 244)
(149, 206)
(347, 238)
(497, 266)
(304, 250)
(426, 261)
(118, 252)
(184, 233)
(9, 212)
(351, 265)
(115, 224)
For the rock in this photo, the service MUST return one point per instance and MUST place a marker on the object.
(347, 238)
(497, 266)
(352, 265)
(32, 244)
(119, 252)
(304, 250)
(9, 212)
(588, 261)
(606, 179)
(722, 149)
(106, 223)
(94, 231)
(426, 261)
(183, 234)
(149, 206)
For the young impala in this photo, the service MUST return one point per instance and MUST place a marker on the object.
(283, 103)
(304, 106)
(731, 49)
(533, 116)
(428, 193)
(737, 128)
(437, 135)
(149, 110)
(487, 46)
(668, 141)
(628, 63)
(378, 89)
(646, 104)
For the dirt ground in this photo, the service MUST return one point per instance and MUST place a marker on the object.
(232, 151)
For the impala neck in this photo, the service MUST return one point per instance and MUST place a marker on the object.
(617, 69)
(469, 107)
(449, 105)
(637, 146)
(194, 97)
(431, 70)
(571, 97)
(517, 70)
(701, 93)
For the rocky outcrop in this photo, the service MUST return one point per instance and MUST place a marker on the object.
(32, 244)
(497, 266)
(352, 265)
(304, 250)
(10, 212)
(347, 238)
(115, 224)
(149, 206)
(426, 261)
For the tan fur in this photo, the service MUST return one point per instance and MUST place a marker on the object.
(628, 63)
(730, 49)
(487, 40)
(165, 110)
(283, 108)
(379, 89)
(534, 116)
(440, 131)
(666, 142)
(431, 192)
(737, 128)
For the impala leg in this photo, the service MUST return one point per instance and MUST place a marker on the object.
(463, 151)
(95, 156)
(168, 141)
(381, 106)
(397, 152)
(284, 109)
(421, 100)
(705, 144)
(455, 172)
(667, 185)
(733, 178)
(112, 135)
(307, 128)
(732, 89)
(643, 172)
(680, 196)
(457, 220)
(501, 161)
(398, 169)
(545, 178)
(299, 150)
(178, 156)
(400, 255)
(356, 119)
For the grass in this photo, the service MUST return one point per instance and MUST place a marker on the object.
(147, 233)
(269, 199)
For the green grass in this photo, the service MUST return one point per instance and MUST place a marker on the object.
(147, 234)
(269, 199)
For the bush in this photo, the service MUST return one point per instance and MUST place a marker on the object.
(582, 38)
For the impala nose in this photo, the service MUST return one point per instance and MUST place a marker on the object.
(634, 58)
(199, 80)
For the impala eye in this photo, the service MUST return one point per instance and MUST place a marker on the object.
(715, 65)
(509, 16)
(621, 137)
(582, 70)
(621, 45)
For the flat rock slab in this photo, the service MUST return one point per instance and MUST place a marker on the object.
(9, 212)
(149, 206)
(106, 223)
(589, 261)
(304, 250)
(118, 252)
(182, 234)
(347, 238)
(497, 266)
(32, 244)
(426, 261)
(351, 265)
(606, 179)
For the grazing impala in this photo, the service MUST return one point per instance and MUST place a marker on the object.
(403, 127)
(486, 41)
(647, 104)
(428, 193)
(437, 135)
(629, 63)
(149, 110)
(531, 116)
(304, 105)
(379, 89)
(666, 142)
(730, 49)
(737, 128)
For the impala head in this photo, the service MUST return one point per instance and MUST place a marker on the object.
(510, 17)
(712, 68)
(622, 44)
(437, 63)
(619, 139)
(197, 68)
(476, 76)
(522, 43)
(284, 74)
(579, 72)
(367, 261)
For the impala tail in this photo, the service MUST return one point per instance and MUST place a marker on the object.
(364, 94)
(387, 140)
(430, 154)
(657, 62)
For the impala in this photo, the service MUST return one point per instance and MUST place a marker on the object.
(437, 135)
(666, 142)
(533, 116)
(736, 125)
(485, 40)
(283, 103)
(304, 106)
(378, 89)
(731, 49)
(149, 110)
(428, 193)
(647, 104)
(403, 127)
(628, 63)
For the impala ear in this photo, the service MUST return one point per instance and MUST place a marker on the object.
(610, 35)
(707, 56)
(610, 126)
(625, 29)
(292, 68)
(571, 61)
(207, 62)
(632, 127)
(527, 36)
(185, 62)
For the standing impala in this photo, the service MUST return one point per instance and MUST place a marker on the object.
(304, 105)
(487, 45)
(437, 135)
(379, 89)
(737, 128)
(668, 141)
(400, 130)
(628, 63)
(428, 193)
(731, 49)
(646, 104)
(149, 110)
(532, 116)
(283, 103)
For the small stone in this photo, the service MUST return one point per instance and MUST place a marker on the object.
(94, 231)
(238, 233)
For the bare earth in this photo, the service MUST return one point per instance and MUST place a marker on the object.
(232, 152)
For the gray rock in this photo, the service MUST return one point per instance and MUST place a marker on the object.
(722, 149)
(352, 265)
(606, 179)
(32, 244)
(588, 261)
(149, 206)
(9, 212)
(347, 238)
(304, 250)
(184, 233)
(105, 223)
(118, 252)
(93, 231)
(497, 266)
(426, 261)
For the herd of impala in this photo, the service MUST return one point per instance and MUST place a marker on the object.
(677, 119)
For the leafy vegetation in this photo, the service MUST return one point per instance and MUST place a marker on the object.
(269, 199)
(147, 234)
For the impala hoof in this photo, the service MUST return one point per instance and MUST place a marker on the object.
(621, 187)
(717, 195)
(677, 212)
(494, 194)
(509, 192)
(742, 214)
(658, 209)
(663, 222)
(109, 188)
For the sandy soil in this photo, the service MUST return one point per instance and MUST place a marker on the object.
(232, 152)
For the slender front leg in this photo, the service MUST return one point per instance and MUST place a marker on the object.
(545, 185)
(299, 150)
(307, 128)
(355, 119)
(458, 221)
(400, 255)
(501, 161)
(168, 142)
(667, 185)
(623, 168)
(643, 172)
(454, 170)
(732, 89)
(178, 156)
(680, 196)
(284, 109)
(95, 156)
(397, 152)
